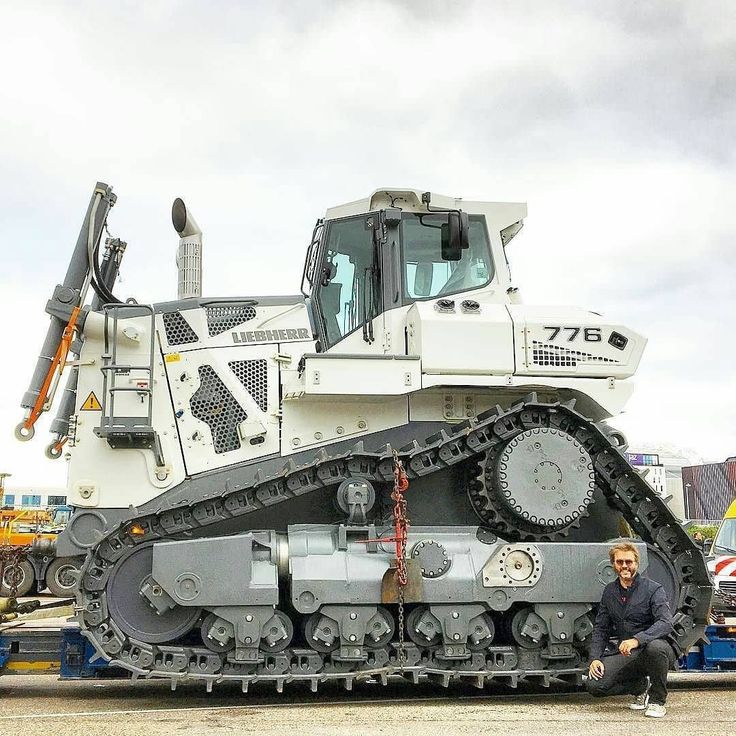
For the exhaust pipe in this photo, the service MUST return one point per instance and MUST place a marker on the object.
(189, 254)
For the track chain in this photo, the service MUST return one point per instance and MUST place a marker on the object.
(622, 486)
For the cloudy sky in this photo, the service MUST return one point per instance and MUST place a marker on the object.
(614, 120)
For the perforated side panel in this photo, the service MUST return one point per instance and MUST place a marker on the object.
(224, 318)
(253, 374)
(178, 331)
(213, 404)
(545, 354)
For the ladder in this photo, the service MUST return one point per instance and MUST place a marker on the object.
(128, 431)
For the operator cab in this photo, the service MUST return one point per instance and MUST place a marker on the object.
(362, 265)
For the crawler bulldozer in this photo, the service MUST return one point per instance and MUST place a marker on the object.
(403, 469)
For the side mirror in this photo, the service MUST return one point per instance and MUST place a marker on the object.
(455, 235)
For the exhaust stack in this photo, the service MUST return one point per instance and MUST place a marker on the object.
(189, 254)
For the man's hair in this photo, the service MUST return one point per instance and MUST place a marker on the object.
(624, 547)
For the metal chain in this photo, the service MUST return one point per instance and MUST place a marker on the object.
(401, 527)
(10, 559)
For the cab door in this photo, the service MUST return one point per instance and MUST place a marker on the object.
(348, 288)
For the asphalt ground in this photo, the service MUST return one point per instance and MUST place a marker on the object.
(41, 704)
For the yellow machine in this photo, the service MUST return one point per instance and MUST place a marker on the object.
(722, 564)
(40, 568)
(19, 527)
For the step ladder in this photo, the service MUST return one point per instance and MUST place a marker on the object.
(128, 431)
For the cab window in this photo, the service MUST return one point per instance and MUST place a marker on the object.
(426, 274)
(348, 293)
(725, 541)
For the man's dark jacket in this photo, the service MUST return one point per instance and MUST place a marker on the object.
(645, 615)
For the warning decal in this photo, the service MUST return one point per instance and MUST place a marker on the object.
(91, 403)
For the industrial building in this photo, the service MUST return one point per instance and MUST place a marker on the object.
(709, 489)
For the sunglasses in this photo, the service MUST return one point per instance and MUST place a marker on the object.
(621, 563)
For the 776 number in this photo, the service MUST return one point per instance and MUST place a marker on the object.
(590, 334)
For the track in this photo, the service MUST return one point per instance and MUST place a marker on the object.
(469, 443)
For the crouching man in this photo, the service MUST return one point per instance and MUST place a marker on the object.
(634, 613)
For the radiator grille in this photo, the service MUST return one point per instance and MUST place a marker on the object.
(178, 330)
(727, 586)
(223, 318)
(213, 404)
(545, 354)
(253, 374)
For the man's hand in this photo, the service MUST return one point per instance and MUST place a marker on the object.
(596, 669)
(627, 645)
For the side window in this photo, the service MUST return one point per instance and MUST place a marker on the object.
(348, 292)
(426, 273)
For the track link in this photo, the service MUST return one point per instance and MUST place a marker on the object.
(470, 442)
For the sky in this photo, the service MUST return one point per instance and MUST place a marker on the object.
(614, 120)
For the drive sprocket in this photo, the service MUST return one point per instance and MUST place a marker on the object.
(539, 483)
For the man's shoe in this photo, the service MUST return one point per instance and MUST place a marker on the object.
(655, 710)
(640, 702)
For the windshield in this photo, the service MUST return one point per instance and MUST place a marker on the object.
(426, 274)
(61, 516)
(725, 541)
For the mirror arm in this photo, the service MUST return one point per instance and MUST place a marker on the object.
(462, 217)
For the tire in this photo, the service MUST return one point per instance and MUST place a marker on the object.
(58, 579)
(22, 575)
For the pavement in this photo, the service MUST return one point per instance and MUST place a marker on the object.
(41, 704)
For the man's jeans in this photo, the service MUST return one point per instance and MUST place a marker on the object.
(627, 675)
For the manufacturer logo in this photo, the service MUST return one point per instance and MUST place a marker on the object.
(270, 335)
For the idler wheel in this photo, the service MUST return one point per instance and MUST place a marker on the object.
(322, 633)
(423, 627)
(482, 631)
(225, 631)
(382, 625)
(526, 631)
(277, 633)
(130, 611)
(542, 480)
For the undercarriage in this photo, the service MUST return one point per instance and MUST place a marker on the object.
(165, 596)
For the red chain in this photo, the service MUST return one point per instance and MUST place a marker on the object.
(401, 523)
